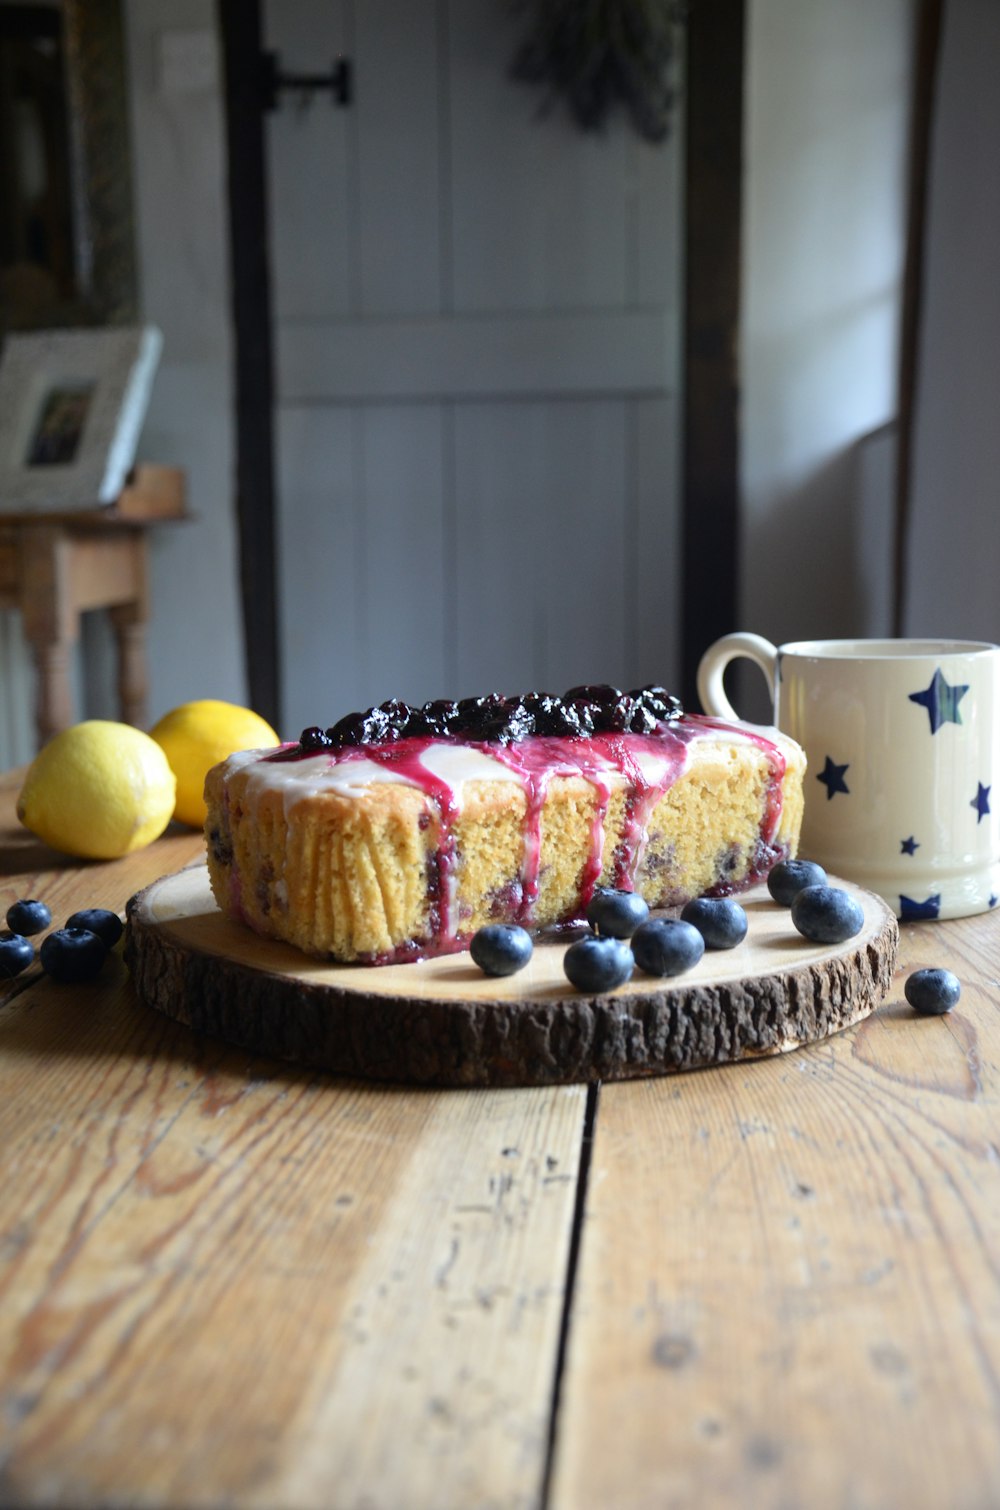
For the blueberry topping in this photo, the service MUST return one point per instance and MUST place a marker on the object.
(616, 914)
(28, 916)
(16, 954)
(667, 946)
(495, 719)
(826, 914)
(501, 948)
(72, 955)
(788, 878)
(931, 993)
(598, 964)
(721, 922)
(107, 925)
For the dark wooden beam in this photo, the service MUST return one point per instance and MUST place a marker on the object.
(240, 24)
(926, 54)
(713, 240)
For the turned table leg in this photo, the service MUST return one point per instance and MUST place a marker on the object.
(50, 627)
(129, 623)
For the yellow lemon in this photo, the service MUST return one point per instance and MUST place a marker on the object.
(98, 790)
(196, 736)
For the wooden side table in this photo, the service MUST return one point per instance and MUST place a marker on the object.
(54, 567)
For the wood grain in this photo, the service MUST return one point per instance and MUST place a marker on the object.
(442, 1022)
(790, 1279)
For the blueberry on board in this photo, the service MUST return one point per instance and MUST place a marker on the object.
(721, 922)
(616, 914)
(28, 916)
(107, 925)
(931, 993)
(789, 877)
(598, 964)
(16, 954)
(72, 955)
(501, 948)
(667, 946)
(826, 914)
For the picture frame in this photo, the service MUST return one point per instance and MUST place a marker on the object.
(72, 406)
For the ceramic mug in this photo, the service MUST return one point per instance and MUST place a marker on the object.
(901, 738)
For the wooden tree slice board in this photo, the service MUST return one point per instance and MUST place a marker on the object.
(442, 1022)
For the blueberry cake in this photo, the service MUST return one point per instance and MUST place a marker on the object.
(400, 831)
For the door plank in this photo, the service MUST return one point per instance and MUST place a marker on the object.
(227, 1281)
(844, 1350)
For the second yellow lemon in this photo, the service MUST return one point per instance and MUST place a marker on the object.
(196, 736)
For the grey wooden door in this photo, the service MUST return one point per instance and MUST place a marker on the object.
(476, 353)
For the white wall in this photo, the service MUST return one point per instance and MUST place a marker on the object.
(826, 137)
(953, 568)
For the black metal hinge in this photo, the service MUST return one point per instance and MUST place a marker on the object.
(273, 83)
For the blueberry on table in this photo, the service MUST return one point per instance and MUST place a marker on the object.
(931, 993)
(598, 964)
(616, 914)
(789, 877)
(827, 915)
(667, 946)
(72, 955)
(28, 916)
(721, 922)
(16, 954)
(107, 925)
(501, 948)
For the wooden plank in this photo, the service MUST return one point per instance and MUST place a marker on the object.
(226, 1282)
(594, 352)
(789, 1279)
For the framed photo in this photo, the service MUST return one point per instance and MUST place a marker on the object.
(72, 405)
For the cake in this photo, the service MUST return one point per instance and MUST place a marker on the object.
(398, 832)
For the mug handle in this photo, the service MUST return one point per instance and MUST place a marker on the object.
(717, 657)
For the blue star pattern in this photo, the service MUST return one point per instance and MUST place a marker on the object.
(981, 802)
(941, 701)
(913, 912)
(908, 846)
(832, 777)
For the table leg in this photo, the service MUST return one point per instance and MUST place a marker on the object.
(129, 626)
(51, 625)
(53, 700)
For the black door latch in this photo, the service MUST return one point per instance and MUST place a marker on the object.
(273, 82)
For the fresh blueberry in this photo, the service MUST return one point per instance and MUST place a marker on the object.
(827, 915)
(721, 922)
(598, 964)
(501, 948)
(107, 925)
(616, 914)
(72, 955)
(931, 993)
(789, 877)
(16, 954)
(28, 916)
(667, 946)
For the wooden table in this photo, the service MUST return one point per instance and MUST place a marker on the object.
(226, 1282)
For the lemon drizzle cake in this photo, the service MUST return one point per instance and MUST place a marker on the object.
(398, 832)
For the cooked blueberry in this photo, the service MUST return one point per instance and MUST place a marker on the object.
(789, 877)
(826, 914)
(314, 738)
(16, 954)
(551, 715)
(721, 922)
(667, 946)
(661, 703)
(28, 916)
(72, 955)
(616, 914)
(581, 714)
(598, 964)
(107, 925)
(931, 993)
(350, 730)
(599, 695)
(501, 948)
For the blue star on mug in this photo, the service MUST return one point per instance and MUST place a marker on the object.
(832, 777)
(941, 701)
(981, 801)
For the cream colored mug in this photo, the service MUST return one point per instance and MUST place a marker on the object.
(901, 739)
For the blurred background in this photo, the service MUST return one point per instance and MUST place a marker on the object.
(472, 393)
